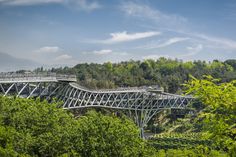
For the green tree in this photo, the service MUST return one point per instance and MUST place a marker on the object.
(168, 73)
(231, 62)
(219, 116)
(110, 136)
(36, 128)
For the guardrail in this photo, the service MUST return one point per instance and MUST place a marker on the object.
(47, 76)
(129, 89)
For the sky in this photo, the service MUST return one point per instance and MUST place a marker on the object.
(68, 32)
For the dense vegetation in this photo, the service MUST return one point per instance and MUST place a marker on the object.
(34, 128)
(180, 141)
(219, 115)
(166, 73)
(210, 132)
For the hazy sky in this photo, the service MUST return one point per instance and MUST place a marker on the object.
(75, 31)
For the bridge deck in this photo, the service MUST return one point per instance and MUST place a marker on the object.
(12, 78)
(117, 90)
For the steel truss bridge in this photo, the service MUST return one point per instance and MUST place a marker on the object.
(140, 103)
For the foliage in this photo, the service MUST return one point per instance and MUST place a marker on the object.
(110, 136)
(175, 121)
(184, 145)
(166, 73)
(35, 128)
(197, 152)
(219, 116)
(179, 141)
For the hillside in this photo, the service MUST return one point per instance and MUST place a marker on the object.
(166, 73)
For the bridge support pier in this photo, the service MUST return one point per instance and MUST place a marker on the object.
(142, 117)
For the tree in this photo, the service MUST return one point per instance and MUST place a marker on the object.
(219, 116)
(110, 136)
(108, 66)
(167, 73)
(36, 128)
(231, 62)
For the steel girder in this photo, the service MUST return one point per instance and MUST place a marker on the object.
(29, 89)
(76, 97)
(141, 104)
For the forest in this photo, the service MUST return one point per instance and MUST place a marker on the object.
(207, 129)
(166, 73)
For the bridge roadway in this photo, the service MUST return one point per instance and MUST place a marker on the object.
(141, 103)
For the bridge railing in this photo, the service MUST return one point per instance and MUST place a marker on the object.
(62, 77)
(134, 89)
(36, 76)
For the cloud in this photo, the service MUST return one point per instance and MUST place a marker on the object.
(53, 55)
(102, 52)
(64, 60)
(28, 2)
(121, 53)
(124, 37)
(172, 41)
(78, 4)
(63, 57)
(211, 41)
(156, 56)
(218, 42)
(142, 11)
(195, 49)
(83, 4)
(48, 49)
(174, 23)
(192, 50)
(105, 52)
(164, 44)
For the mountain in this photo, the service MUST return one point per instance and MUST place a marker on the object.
(10, 63)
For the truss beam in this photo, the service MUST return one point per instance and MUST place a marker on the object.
(141, 104)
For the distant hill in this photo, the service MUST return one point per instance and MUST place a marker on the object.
(10, 63)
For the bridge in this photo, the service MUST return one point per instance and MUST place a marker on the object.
(141, 103)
